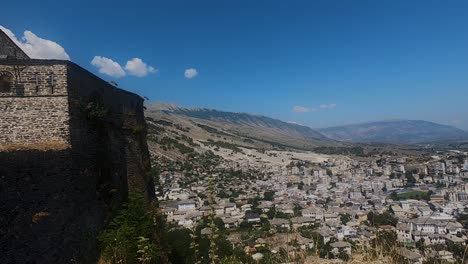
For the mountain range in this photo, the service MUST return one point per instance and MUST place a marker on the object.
(276, 132)
(395, 131)
(249, 127)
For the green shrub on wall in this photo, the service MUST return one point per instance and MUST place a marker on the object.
(95, 112)
(128, 237)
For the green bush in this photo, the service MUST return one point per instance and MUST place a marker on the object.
(95, 112)
(127, 238)
(386, 218)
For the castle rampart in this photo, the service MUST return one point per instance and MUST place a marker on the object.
(71, 146)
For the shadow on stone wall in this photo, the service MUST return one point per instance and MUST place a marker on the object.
(48, 210)
(54, 203)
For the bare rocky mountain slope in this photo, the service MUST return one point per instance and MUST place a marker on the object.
(231, 130)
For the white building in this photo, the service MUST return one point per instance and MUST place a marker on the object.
(186, 205)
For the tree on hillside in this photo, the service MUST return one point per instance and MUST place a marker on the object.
(345, 218)
(394, 196)
(410, 180)
(376, 219)
(129, 235)
(268, 195)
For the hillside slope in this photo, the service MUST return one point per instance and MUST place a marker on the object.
(240, 128)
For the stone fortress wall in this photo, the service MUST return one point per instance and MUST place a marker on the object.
(71, 147)
(35, 107)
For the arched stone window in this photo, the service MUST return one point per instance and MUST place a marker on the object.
(6, 82)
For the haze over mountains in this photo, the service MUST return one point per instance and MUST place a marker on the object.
(398, 131)
(269, 130)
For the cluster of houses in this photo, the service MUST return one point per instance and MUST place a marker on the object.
(333, 198)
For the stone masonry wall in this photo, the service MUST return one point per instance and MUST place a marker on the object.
(122, 132)
(55, 202)
(38, 193)
(31, 115)
(36, 77)
(9, 48)
(25, 121)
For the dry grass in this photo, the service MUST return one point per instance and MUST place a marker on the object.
(101, 260)
(355, 260)
(42, 146)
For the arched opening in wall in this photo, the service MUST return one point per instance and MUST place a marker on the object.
(6, 82)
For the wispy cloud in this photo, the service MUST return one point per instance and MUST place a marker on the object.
(327, 106)
(190, 73)
(456, 121)
(37, 47)
(303, 109)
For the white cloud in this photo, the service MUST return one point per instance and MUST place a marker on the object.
(190, 73)
(108, 66)
(135, 67)
(36, 47)
(300, 109)
(326, 106)
(303, 109)
(295, 123)
(138, 68)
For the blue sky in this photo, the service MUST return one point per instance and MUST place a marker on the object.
(319, 63)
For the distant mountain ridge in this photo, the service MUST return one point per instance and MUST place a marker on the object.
(249, 125)
(291, 134)
(395, 131)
